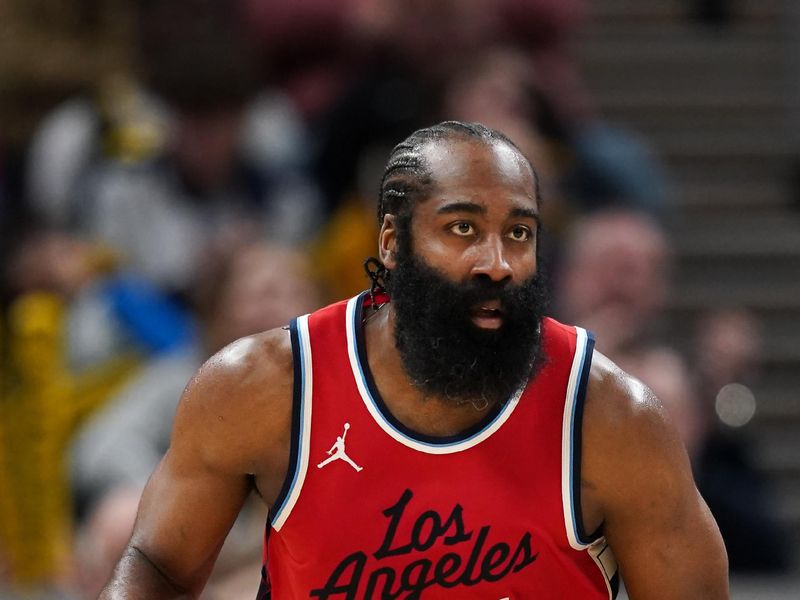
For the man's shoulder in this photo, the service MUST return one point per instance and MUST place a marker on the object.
(616, 399)
(636, 484)
(626, 429)
(252, 366)
(241, 398)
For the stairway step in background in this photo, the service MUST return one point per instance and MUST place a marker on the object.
(777, 406)
(750, 271)
(679, 31)
(720, 170)
(699, 297)
(766, 145)
(721, 243)
(661, 127)
(779, 449)
(673, 10)
(708, 54)
(717, 197)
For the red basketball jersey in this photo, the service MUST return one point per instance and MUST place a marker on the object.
(371, 509)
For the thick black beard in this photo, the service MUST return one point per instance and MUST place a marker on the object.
(444, 353)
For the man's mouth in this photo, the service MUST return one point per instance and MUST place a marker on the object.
(488, 315)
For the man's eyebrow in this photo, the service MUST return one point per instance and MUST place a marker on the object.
(463, 206)
(524, 212)
(478, 209)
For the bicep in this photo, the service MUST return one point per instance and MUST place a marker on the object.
(231, 430)
(194, 495)
(185, 513)
(663, 536)
(667, 544)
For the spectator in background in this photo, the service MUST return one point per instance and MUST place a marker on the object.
(316, 49)
(312, 50)
(76, 332)
(498, 89)
(412, 47)
(417, 45)
(247, 289)
(109, 311)
(194, 154)
(728, 355)
(614, 281)
(118, 121)
(606, 163)
(729, 349)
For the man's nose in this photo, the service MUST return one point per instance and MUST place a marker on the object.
(491, 261)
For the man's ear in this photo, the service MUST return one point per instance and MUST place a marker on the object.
(387, 242)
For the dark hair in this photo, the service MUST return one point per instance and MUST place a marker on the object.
(408, 177)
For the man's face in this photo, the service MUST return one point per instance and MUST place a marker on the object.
(464, 278)
(615, 277)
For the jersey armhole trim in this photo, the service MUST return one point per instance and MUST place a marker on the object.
(301, 424)
(572, 439)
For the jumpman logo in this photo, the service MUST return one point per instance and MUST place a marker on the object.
(337, 451)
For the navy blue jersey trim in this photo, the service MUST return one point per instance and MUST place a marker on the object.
(614, 585)
(577, 436)
(297, 415)
(612, 579)
(264, 588)
(361, 351)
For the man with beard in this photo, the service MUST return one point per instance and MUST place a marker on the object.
(435, 437)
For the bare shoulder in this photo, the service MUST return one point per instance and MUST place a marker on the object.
(617, 401)
(235, 414)
(244, 374)
(627, 435)
(231, 434)
(638, 487)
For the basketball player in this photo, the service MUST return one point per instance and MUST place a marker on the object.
(436, 437)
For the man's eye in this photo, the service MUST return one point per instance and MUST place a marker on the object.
(520, 234)
(462, 229)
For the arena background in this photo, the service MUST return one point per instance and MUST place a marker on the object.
(176, 174)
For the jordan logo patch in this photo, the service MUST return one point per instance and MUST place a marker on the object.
(337, 452)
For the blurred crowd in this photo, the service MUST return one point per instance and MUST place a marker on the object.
(211, 172)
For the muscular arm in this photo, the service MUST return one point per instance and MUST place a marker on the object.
(638, 483)
(231, 434)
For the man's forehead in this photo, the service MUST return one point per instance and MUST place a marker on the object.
(460, 160)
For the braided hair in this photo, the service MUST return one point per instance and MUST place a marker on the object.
(408, 177)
